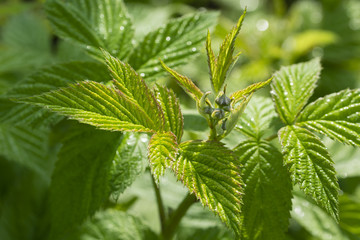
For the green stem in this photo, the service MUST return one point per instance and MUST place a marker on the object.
(175, 217)
(271, 137)
(160, 204)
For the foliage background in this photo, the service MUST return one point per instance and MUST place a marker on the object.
(275, 33)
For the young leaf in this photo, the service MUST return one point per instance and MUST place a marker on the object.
(93, 23)
(174, 44)
(128, 162)
(44, 80)
(225, 58)
(95, 104)
(292, 87)
(163, 149)
(267, 193)
(237, 96)
(310, 166)
(212, 172)
(81, 177)
(257, 117)
(174, 121)
(335, 115)
(186, 83)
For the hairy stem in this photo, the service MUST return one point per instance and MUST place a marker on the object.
(176, 216)
(160, 204)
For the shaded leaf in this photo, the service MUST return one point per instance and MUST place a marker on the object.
(310, 166)
(350, 214)
(212, 172)
(267, 193)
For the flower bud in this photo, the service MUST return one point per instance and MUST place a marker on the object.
(218, 114)
(204, 107)
(222, 100)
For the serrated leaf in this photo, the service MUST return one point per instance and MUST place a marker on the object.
(292, 87)
(95, 104)
(174, 121)
(174, 43)
(81, 177)
(93, 24)
(336, 115)
(310, 166)
(163, 149)
(112, 224)
(134, 87)
(129, 162)
(44, 80)
(257, 117)
(238, 95)
(225, 58)
(212, 172)
(184, 82)
(267, 193)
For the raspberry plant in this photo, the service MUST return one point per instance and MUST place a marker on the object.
(113, 100)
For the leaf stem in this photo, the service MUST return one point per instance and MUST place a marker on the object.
(271, 137)
(175, 217)
(159, 203)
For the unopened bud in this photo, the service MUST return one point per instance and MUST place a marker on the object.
(222, 100)
(218, 114)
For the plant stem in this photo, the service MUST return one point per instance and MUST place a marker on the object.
(174, 220)
(160, 204)
(271, 137)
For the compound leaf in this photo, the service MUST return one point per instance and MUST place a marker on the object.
(238, 95)
(174, 43)
(293, 86)
(163, 149)
(267, 192)
(335, 115)
(310, 166)
(95, 104)
(212, 172)
(174, 121)
(93, 24)
(81, 177)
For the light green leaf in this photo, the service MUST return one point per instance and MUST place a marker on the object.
(184, 82)
(134, 87)
(315, 220)
(174, 43)
(350, 214)
(174, 121)
(95, 104)
(220, 67)
(93, 24)
(115, 225)
(335, 115)
(212, 172)
(238, 95)
(256, 120)
(129, 162)
(310, 166)
(47, 79)
(81, 177)
(267, 193)
(292, 87)
(163, 149)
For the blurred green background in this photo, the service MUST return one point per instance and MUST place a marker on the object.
(275, 33)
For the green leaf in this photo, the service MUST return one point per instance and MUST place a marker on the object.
(163, 149)
(238, 95)
(256, 120)
(81, 177)
(95, 104)
(115, 225)
(174, 43)
(184, 82)
(315, 220)
(310, 166)
(350, 214)
(174, 121)
(267, 193)
(134, 87)
(93, 24)
(292, 87)
(335, 115)
(220, 67)
(212, 172)
(193, 121)
(129, 162)
(44, 80)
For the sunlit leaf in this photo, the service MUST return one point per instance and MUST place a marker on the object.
(237, 96)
